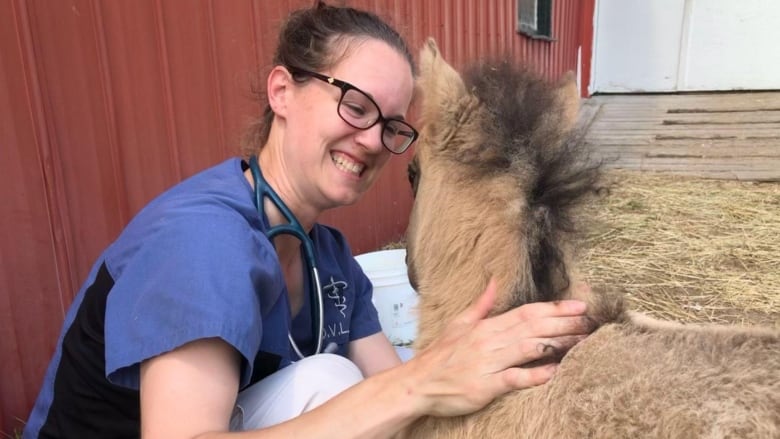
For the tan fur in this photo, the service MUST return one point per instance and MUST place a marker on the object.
(634, 377)
(569, 95)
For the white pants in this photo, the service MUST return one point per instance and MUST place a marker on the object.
(293, 390)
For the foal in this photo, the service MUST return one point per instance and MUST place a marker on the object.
(498, 175)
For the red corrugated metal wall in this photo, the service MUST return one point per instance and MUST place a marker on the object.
(105, 104)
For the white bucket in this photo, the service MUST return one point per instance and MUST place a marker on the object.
(394, 298)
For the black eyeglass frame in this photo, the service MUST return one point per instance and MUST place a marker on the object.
(345, 87)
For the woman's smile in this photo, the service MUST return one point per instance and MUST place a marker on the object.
(347, 164)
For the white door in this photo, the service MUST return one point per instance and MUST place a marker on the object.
(686, 45)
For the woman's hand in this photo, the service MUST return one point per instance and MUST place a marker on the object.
(478, 358)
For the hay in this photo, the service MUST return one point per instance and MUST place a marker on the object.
(688, 249)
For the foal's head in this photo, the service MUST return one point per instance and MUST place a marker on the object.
(497, 173)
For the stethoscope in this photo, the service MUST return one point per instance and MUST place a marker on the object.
(294, 228)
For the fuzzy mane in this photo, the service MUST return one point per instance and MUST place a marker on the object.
(527, 136)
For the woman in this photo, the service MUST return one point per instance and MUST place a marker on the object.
(181, 329)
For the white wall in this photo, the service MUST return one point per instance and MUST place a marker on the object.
(686, 45)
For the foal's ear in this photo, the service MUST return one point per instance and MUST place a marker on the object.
(568, 96)
(439, 82)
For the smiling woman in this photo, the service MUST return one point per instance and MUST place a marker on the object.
(202, 317)
(311, 135)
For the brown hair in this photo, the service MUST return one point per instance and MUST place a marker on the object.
(316, 39)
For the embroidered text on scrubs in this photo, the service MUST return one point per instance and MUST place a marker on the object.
(333, 290)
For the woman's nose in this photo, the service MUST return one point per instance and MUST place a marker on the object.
(371, 139)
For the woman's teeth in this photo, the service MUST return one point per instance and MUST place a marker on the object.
(347, 165)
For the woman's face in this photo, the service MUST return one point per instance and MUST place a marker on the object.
(336, 163)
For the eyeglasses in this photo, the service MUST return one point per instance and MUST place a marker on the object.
(359, 111)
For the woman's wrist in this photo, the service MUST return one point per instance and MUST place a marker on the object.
(397, 390)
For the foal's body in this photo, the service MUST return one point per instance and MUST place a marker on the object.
(630, 380)
(497, 183)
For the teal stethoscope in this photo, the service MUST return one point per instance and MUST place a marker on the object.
(294, 228)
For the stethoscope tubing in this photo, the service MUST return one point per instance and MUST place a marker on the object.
(294, 228)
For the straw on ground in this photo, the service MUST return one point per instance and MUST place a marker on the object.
(687, 249)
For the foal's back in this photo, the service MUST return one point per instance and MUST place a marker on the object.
(641, 379)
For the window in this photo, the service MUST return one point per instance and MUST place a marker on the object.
(534, 18)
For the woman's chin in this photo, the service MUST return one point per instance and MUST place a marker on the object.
(346, 199)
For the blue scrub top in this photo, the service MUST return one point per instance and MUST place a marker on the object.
(195, 263)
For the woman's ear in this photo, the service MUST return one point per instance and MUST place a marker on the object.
(278, 86)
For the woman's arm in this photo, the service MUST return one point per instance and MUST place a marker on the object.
(373, 354)
(190, 391)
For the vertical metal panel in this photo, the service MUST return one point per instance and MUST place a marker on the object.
(30, 306)
(103, 105)
(87, 209)
(469, 29)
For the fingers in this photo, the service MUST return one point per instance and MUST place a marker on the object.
(542, 348)
(478, 357)
(558, 308)
(484, 304)
(533, 340)
(527, 341)
(543, 356)
(534, 312)
(527, 352)
(499, 384)
(556, 326)
(546, 350)
(561, 345)
(517, 378)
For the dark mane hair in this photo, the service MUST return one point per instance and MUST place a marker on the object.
(528, 136)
